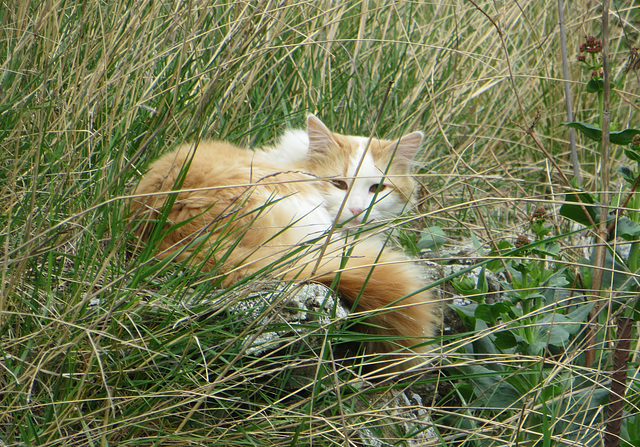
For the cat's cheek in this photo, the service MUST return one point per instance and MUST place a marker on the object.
(333, 203)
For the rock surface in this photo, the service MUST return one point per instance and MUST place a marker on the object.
(295, 305)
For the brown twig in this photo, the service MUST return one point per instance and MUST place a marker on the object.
(618, 382)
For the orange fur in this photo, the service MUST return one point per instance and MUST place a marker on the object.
(237, 205)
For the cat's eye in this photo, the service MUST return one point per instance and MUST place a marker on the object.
(340, 184)
(378, 187)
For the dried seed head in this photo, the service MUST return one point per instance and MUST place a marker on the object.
(539, 213)
(591, 45)
(522, 241)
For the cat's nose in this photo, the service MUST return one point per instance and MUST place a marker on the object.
(356, 210)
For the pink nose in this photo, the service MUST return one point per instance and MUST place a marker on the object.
(355, 210)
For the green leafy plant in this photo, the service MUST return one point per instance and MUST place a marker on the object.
(590, 50)
(534, 317)
(584, 207)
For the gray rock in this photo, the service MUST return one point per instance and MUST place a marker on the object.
(399, 414)
(295, 305)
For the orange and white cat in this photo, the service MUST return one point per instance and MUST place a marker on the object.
(289, 209)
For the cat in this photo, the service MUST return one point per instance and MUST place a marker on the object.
(293, 207)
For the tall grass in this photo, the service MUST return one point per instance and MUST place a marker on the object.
(102, 345)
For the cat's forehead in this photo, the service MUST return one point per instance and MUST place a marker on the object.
(355, 145)
(346, 151)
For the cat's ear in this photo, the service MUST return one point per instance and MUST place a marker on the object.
(320, 137)
(406, 147)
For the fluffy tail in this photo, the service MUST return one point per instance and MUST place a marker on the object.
(383, 285)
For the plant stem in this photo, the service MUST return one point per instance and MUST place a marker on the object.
(605, 121)
(601, 233)
(567, 94)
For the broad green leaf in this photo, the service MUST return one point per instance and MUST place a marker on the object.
(548, 249)
(477, 244)
(505, 340)
(615, 273)
(431, 238)
(576, 212)
(492, 389)
(482, 285)
(630, 431)
(578, 317)
(557, 279)
(594, 133)
(464, 285)
(627, 229)
(586, 271)
(485, 344)
(588, 130)
(497, 265)
(471, 289)
(554, 330)
(631, 155)
(595, 85)
(627, 173)
(504, 244)
(623, 137)
(466, 314)
(484, 313)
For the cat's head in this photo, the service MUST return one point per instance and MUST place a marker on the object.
(372, 178)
